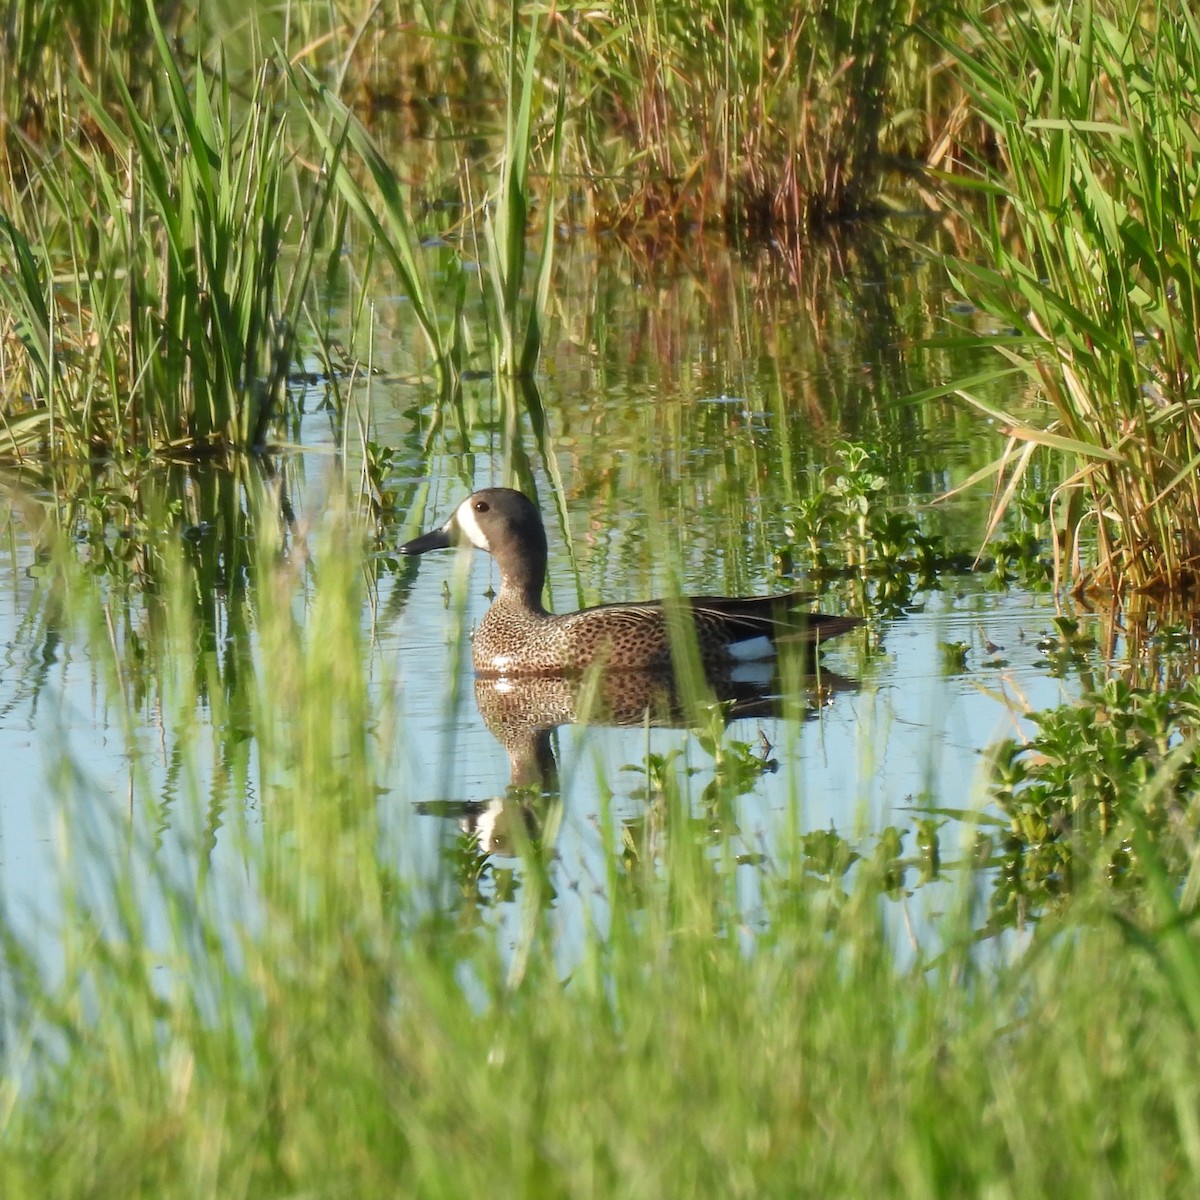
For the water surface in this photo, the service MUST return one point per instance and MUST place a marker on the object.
(688, 410)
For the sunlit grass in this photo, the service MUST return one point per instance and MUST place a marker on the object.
(273, 1007)
(517, 327)
(152, 285)
(1090, 269)
(394, 232)
(174, 328)
(676, 114)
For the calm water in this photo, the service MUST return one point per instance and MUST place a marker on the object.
(690, 409)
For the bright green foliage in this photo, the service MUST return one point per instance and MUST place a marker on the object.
(312, 1022)
(1090, 229)
(396, 231)
(514, 353)
(146, 276)
(1103, 783)
(849, 524)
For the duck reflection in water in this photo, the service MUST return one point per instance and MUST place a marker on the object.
(523, 713)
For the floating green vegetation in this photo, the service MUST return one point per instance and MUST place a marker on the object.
(850, 526)
(1104, 792)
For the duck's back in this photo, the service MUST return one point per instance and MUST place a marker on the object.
(514, 640)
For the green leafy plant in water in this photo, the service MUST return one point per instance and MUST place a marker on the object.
(887, 864)
(736, 769)
(847, 525)
(853, 491)
(828, 855)
(1069, 648)
(847, 528)
(832, 521)
(377, 464)
(1119, 761)
(954, 657)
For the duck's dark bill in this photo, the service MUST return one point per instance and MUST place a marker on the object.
(439, 539)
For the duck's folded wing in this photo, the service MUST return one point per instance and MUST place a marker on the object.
(777, 617)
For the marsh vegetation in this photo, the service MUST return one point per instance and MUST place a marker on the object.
(895, 304)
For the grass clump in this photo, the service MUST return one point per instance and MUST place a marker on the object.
(756, 116)
(752, 118)
(515, 325)
(44, 42)
(1089, 230)
(152, 300)
(255, 1002)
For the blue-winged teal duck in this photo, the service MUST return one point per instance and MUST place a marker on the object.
(519, 637)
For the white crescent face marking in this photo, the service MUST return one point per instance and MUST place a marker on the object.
(465, 519)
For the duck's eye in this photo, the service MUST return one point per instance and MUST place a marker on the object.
(481, 506)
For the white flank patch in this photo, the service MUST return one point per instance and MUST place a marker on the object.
(465, 519)
(752, 649)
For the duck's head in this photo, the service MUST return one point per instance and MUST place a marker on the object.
(501, 521)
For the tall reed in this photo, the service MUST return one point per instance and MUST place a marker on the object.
(1089, 233)
(507, 225)
(152, 271)
(754, 116)
(395, 231)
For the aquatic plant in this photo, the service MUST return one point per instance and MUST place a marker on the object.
(1087, 264)
(1105, 791)
(230, 984)
(752, 118)
(757, 117)
(517, 327)
(394, 232)
(152, 301)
